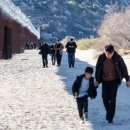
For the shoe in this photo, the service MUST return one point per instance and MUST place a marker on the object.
(110, 121)
(43, 66)
(86, 116)
(82, 120)
(72, 66)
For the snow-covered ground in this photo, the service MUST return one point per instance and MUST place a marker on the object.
(33, 98)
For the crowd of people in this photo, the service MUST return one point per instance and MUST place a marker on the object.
(56, 52)
(30, 46)
(85, 85)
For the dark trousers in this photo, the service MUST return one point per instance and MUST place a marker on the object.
(45, 60)
(71, 59)
(53, 58)
(82, 104)
(59, 57)
(109, 93)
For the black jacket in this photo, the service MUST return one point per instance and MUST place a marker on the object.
(52, 49)
(44, 49)
(91, 90)
(71, 47)
(119, 64)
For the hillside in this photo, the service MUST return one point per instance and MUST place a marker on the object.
(78, 18)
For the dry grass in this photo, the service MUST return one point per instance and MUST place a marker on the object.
(98, 44)
(93, 43)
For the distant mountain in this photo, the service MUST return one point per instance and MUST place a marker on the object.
(59, 18)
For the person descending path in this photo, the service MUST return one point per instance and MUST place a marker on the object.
(82, 88)
(53, 55)
(44, 50)
(71, 49)
(110, 70)
(59, 50)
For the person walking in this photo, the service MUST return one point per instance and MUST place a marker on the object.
(59, 50)
(53, 55)
(71, 49)
(83, 87)
(110, 70)
(44, 48)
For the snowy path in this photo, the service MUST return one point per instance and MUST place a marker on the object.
(33, 98)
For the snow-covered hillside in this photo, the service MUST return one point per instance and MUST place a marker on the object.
(33, 98)
(60, 18)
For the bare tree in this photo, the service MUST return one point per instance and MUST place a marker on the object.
(116, 26)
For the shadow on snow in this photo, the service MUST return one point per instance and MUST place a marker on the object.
(96, 108)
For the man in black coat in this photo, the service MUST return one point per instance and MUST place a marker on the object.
(110, 70)
(71, 49)
(44, 52)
